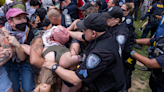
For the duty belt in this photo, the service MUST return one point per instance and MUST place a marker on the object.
(158, 79)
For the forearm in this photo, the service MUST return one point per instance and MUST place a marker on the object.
(6, 58)
(68, 75)
(73, 25)
(144, 41)
(151, 63)
(5, 45)
(158, 17)
(36, 53)
(20, 53)
(76, 35)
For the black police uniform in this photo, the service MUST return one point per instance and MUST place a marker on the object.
(121, 32)
(72, 10)
(124, 36)
(128, 21)
(157, 76)
(102, 71)
(157, 9)
(128, 61)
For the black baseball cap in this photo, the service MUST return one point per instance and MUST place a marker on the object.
(115, 11)
(85, 6)
(94, 21)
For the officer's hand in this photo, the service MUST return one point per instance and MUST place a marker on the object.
(140, 21)
(48, 64)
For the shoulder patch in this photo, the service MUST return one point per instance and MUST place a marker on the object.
(92, 61)
(120, 39)
(128, 21)
(123, 18)
(65, 11)
(120, 3)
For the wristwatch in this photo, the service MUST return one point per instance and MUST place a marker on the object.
(54, 67)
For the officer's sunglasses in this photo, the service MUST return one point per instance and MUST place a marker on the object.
(123, 10)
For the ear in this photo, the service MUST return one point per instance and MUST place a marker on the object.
(117, 20)
(94, 33)
(128, 11)
(97, 7)
(9, 21)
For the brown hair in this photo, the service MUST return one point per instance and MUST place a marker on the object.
(129, 6)
(90, 10)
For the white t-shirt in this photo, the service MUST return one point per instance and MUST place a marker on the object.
(8, 1)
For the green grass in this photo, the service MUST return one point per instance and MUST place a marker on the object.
(142, 77)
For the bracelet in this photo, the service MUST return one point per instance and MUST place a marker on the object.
(132, 52)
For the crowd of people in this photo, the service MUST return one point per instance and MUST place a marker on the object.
(78, 45)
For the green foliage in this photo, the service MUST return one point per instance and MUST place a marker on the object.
(141, 77)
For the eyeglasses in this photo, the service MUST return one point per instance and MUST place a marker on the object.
(123, 10)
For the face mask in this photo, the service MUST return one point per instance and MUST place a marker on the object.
(39, 24)
(21, 27)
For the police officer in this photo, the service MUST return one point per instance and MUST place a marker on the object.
(156, 81)
(122, 34)
(69, 7)
(129, 61)
(157, 9)
(114, 19)
(102, 70)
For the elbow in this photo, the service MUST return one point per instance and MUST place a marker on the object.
(33, 60)
(150, 64)
(75, 83)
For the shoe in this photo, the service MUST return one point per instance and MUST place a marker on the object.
(138, 46)
(146, 69)
(135, 19)
(140, 29)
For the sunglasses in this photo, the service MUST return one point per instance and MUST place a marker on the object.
(123, 10)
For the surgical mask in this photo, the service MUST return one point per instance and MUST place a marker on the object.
(21, 27)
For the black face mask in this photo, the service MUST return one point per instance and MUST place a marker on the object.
(39, 24)
(21, 27)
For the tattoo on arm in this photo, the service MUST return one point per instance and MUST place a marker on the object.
(5, 57)
(38, 46)
(5, 44)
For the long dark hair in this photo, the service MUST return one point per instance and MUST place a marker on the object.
(41, 12)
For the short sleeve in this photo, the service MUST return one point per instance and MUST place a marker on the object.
(160, 60)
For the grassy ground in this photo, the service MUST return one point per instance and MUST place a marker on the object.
(140, 79)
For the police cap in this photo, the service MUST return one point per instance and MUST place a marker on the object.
(94, 21)
(115, 11)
